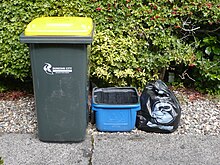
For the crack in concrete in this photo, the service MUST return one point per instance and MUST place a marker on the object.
(92, 149)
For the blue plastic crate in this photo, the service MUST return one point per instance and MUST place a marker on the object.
(115, 108)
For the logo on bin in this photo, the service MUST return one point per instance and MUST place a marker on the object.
(49, 69)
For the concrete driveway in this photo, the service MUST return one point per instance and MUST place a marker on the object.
(113, 148)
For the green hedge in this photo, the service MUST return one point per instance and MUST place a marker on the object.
(135, 40)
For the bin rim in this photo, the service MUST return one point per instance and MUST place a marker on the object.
(109, 88)
(115, 106)
(57, 39)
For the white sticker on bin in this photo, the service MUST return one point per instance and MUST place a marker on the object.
(51, 70)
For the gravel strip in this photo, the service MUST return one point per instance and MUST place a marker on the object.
(200, 116)
(18, 116)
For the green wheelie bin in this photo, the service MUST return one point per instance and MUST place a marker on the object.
(59, 51)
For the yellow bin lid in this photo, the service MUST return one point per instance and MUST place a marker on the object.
(60, 26)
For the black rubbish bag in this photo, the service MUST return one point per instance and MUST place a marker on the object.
(160, 109)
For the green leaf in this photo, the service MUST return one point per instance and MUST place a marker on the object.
(206, 40)
(208, 50)
(216, 50)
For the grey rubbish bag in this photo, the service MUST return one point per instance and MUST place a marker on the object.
(160, 109)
